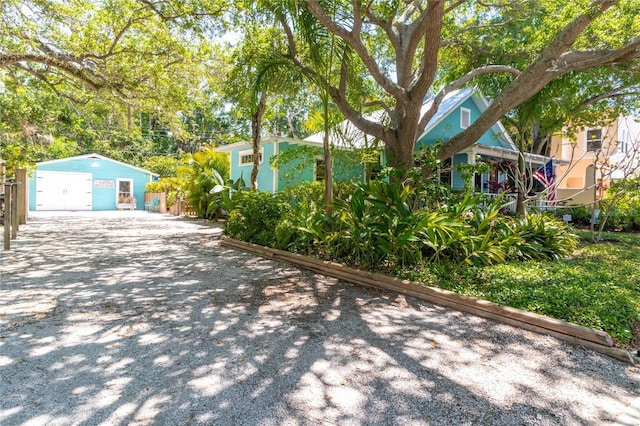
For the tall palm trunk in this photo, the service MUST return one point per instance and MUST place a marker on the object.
(256, 130)
(328, 166)
(521, 182)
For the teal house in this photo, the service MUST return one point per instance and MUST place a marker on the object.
(307, 167)
(87, 182)
(456, 112)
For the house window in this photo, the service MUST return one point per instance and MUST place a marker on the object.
(624, 141)
(125, 191)
(445, 171)
(465, 118)
(246, 157)
(374, 168)
(594, 140)
(320, 169)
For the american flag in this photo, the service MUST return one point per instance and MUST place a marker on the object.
(545, 176)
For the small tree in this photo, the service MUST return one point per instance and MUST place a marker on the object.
(622, 169)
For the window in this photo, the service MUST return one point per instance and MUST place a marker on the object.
(246, 157)
(374, 168)
(320, 169)
(465, 118)
(125, 191)
(594, 140)
(624, 141)
(445, 171)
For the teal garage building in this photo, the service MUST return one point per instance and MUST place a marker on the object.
(87, 182)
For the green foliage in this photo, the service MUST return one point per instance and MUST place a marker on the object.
(375, 227)
(619, 208)
(539, 236)
(293, 162)
(205, 168)
(303, 193)
(254, 217)
(583, 289)
(163, 165)
(621, 205)
(174, 187)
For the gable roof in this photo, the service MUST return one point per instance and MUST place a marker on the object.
(347, 135)
(276, 139)
(454, 100)
(95, 156)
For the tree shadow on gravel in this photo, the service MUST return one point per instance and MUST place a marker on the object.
(153, 322)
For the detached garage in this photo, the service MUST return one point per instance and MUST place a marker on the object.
(87, 182)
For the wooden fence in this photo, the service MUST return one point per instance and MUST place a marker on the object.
(13, 197)
(162, 201)
(179, 208)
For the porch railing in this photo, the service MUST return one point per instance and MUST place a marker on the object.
(511, 199)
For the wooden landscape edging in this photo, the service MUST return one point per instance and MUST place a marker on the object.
(594, 339)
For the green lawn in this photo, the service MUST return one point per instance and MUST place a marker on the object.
(598, 287)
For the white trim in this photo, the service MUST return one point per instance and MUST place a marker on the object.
(248, 144)
(96, 157)
(249, 152)
(624, 141)
(512, 155)
(118, 180)
(276, 146)
(464, 110)
(586, 139)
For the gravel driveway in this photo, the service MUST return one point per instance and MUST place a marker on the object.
(139, 318)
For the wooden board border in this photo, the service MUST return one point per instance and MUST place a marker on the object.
(597, 340)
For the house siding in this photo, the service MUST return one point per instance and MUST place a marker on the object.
(107, 170)
(287, 173)
(450, 126)
(456, 178)
(265, 172)
(347, 167)
(446, 123)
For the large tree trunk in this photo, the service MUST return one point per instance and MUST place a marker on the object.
(399, 148)
(256, 130)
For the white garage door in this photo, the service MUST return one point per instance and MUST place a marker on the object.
(63, 191)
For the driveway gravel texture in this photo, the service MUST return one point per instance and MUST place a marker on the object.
(134, 318)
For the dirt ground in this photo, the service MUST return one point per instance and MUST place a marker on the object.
(139, 318)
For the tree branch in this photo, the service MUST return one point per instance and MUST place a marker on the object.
(542, 71)
(77, 72)
(462, 81)
(579, 60)
(429, 61)
(353, 39)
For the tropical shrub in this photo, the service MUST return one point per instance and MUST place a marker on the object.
(174, 187)
(376, 228)
(204, 168)
(254, 216)
(165, 166)
(304, 230)
(540, 236)
(482, 241)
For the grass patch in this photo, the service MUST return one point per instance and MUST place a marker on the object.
(597, 287)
